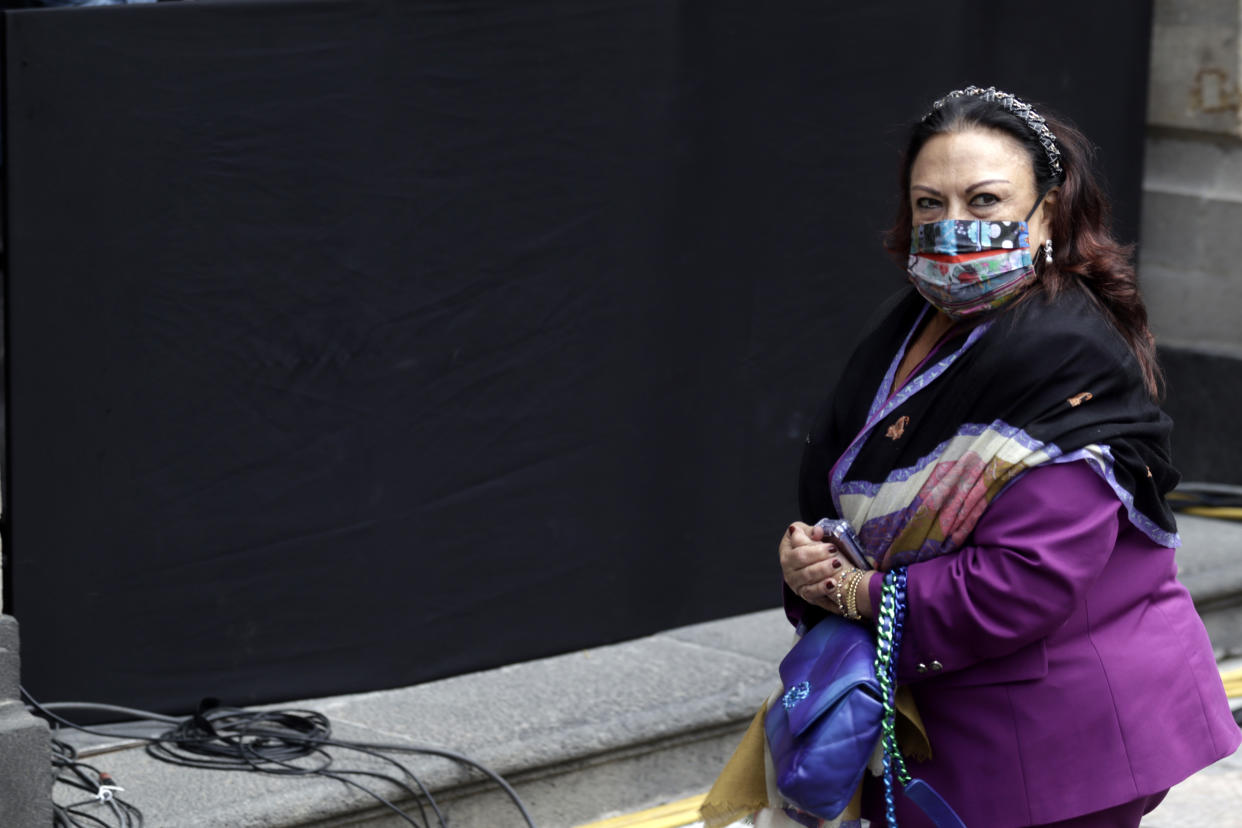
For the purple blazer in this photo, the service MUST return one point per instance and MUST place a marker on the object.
(1059, 666)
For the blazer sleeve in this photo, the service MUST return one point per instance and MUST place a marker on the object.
(1035, 551)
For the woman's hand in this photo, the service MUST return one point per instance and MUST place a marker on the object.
(813, 568)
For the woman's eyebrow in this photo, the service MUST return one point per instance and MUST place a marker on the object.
(925, 188)
(973, 187)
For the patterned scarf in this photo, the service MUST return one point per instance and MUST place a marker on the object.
(1046, 381)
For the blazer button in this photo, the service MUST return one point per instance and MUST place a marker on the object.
(936, 666)
(922, 668)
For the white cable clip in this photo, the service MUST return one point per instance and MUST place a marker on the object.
(106, 791)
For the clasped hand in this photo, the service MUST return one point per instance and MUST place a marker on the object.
(814, 568)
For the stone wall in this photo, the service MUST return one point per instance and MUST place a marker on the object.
(1190, 254)
(1192, 200)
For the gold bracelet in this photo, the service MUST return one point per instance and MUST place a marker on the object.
(842, 586)
(851, 600)
(839, 597)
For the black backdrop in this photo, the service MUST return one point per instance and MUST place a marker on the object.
(353, 344)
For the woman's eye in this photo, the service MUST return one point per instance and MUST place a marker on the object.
(984, 200)
(925, 203)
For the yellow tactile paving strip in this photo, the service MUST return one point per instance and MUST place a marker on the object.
(673, 815)
(1233, 682)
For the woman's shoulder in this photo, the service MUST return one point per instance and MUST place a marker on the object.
(1043, 328)
(893, 316)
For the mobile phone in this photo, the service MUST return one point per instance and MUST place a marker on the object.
(843, 537)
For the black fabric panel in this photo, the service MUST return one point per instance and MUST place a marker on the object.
(354, 344)
(1203, 390)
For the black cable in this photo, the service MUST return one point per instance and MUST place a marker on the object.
(102, 788)
(422, 812)
(311, 733)
(230, 739)
(65, 816)
(112, 708)
(271, 742)
(342, 776)
(456, 757)
(217, 737)
(50, 716)
(322, 738)
(120, 816)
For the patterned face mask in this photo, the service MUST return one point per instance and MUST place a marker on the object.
(966, 267)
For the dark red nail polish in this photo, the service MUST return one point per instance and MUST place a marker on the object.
(836, 564)
(791, 531)
(831, 584)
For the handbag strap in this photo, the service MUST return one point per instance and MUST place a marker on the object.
(888, 647)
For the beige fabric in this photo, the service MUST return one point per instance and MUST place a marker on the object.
(741, 788)
(747, 785)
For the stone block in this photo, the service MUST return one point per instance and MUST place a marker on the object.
(1194, 234)
(1203, 166)
(1187, 267)
(25, 746)
(10, 659)
(1195, 62)
(25, 769)
(1192, 309)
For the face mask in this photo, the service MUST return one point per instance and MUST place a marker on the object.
(970, 267)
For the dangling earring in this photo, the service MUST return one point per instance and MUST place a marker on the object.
(1048, 252)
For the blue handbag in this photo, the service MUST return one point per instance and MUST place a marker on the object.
(837, 705)
(824, 728)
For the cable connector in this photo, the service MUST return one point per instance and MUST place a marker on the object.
(107, 788)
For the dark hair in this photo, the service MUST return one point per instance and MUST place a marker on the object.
(1086, 256)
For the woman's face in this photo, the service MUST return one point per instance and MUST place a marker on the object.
(977, 174)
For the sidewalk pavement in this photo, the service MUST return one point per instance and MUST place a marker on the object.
(1212, 797)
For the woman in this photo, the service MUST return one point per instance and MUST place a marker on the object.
(997, 431)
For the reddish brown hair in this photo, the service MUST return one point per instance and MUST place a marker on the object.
(1086, 255)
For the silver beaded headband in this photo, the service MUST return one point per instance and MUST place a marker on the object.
(1023, 110)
